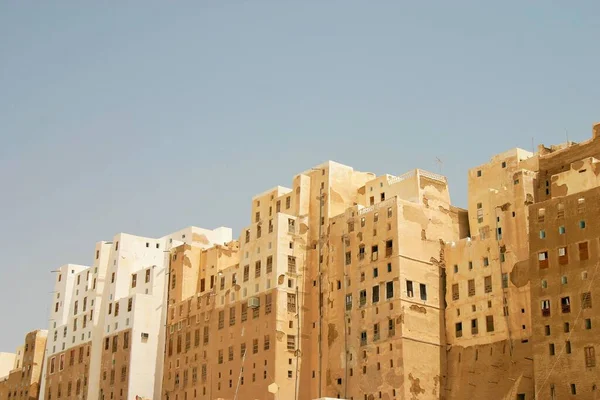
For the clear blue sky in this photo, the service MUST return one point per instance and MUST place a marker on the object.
(147, 117)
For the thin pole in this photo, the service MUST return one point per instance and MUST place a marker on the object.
(298, 336)
(320, 288)
(345, 322)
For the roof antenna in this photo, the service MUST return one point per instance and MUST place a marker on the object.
(440, 163)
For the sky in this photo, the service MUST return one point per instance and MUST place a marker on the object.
(147, 117)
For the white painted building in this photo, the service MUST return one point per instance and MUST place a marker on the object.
(124, 290)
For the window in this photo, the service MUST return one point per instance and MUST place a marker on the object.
(489, 322)
(254, 346)
(565, 303)
(474, 328)
(291, 264)
(588, 323)
(221, 319)
(375, 296)
(573, 389)
(291, 302)
(133, 280)
(583, 251)
(478, 173)
(563, 257)
(486, 261)
(542, 234)
(363, 298)
(257, 268)
(349, 301)
(504, 280)
(268, 304)
(267, 343)
(246, 273)
(551, 349)
(590, 356)
(389, 248)
(488, 284)
(361, 253)
(363, 338)
(389, 290)
(291, 342)
(545, 308)
(409, 289)
(147, 276)
(374, 253)
(586, 300)
(567, 327)
(422, 291)
(376, 331)
(582, 224)
(563, 280)
(391, 328)
(232, 316)
(288, 202)
(561, 230)
(568, 347)
(547, 330)
(544, 284)
(543, 259)
(173, 281)
(471, 285)
(455, 292)
(458, 329)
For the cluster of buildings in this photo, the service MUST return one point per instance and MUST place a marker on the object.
(346, 285)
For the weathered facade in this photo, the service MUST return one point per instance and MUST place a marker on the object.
(488, 314)
(564, 259)
(347, 285)
(22, 382)
(384, 294)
